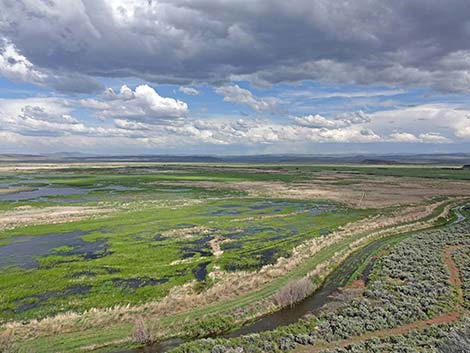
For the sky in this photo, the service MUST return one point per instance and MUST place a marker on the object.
(234, 77)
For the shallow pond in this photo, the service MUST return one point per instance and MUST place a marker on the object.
(24, 250)
(43, 191)
(269, 206)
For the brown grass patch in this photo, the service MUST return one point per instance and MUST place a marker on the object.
(5, 191)
(293, 292)
(188, 232)
(141, 333)
(26, 215)
(215, 245)
(359, 191)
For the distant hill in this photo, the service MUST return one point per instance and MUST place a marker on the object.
(22, 158)
(444, 159)
(379, 161)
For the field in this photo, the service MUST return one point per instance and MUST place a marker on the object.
(110, 256)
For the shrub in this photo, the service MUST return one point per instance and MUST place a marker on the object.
(293, 292)
(209, 326)
(458, 341)
(141, 333)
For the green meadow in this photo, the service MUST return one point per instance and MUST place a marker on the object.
(131, 256)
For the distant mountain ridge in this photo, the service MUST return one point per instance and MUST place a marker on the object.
(366, 159)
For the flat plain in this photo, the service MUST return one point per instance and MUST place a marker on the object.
(115, 256)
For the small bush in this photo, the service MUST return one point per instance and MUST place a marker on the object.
(141, 333)
(293, 292)
(210, 325)
(458, 341)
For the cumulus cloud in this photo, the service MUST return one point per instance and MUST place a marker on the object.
(236, 94)
(433, 137)
(260, 131)
(340, 121)
(45, 117)
(427, 122)
(189, 91)
(143, 104)
(318, 121)
(403, 137)
(37, 117)
(430, 137)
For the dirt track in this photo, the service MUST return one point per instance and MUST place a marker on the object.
(456, 282)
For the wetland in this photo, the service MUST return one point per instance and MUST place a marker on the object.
(192, 250)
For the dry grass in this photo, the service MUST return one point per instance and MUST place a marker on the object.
(5, 191)
(358, 191)
(293, 292)
(7, 344)
(141, 333)
(26, 215)
(215, 243)
(270, 216)
(187, 232)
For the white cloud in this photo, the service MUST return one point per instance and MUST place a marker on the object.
(143, 104)
(347, 135)
(56, 119)
(236, 94)
(44, 117)
(427, 122)
(340, 121)
(314, 94)
(318, 121)
(189, 91)
(256, 131)
(429, 137)
(459, 60)
(403, 137)
(131, 125)
(351, 118)
(17, 67)
(433, 137)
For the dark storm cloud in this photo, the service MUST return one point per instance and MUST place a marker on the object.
(395, 43)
